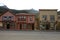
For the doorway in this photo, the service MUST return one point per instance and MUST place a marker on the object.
(20, 26)
(8, 26)
(32, 26)
(47, 26)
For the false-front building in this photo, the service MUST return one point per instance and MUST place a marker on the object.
(47, 19)
(18, 21)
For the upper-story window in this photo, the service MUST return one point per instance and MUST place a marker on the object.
(52, 18)
(10, 16)
(31, 18)
(4, 18)
(22, 18)
(44, 17)
(7, 17)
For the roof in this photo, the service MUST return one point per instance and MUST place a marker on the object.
(25, 14)
(5, 12)
(17, 13)
(47, 9)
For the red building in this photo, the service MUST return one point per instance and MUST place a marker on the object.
(18, 21)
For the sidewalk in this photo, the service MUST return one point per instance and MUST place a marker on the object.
(34, 30)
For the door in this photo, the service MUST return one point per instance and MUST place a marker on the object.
(32, 26)
(20, 26)
(47, 26)
(8, 26)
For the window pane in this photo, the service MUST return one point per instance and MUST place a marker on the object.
(29, 26)
(7, 17)
(52, 17)
(24, 25)
(4, 18)
(44, 17)
(22, 18)
(30, 18)
(13, 24)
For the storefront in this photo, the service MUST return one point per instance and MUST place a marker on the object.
(44, 25)
(9, 25)
(25, 26)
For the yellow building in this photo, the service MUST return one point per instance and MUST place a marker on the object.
(58, 21)
(47, 19)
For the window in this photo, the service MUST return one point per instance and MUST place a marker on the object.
(44, 17)
(12, 24)
(24, 25)
(52, 17)
(29, 26)
(4, 18)
(7, 17)
(30, 18)
(10, 17)
(22, 18)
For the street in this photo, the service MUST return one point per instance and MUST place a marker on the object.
(29, 35)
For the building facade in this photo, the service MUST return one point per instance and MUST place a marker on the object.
(58, 20)
(18, 21)
(47, 19)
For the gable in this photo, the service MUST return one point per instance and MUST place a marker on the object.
(8, 14)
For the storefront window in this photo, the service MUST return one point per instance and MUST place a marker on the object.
(12, 24)
(24, 25)
(29, 26)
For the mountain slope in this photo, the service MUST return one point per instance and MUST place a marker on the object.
(5, 8)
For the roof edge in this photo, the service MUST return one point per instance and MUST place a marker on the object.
(48, 9)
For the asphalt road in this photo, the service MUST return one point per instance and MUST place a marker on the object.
(29, 35)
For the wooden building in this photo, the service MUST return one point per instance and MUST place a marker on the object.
(18, 21)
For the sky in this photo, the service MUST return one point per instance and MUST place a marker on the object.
(29, 4)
